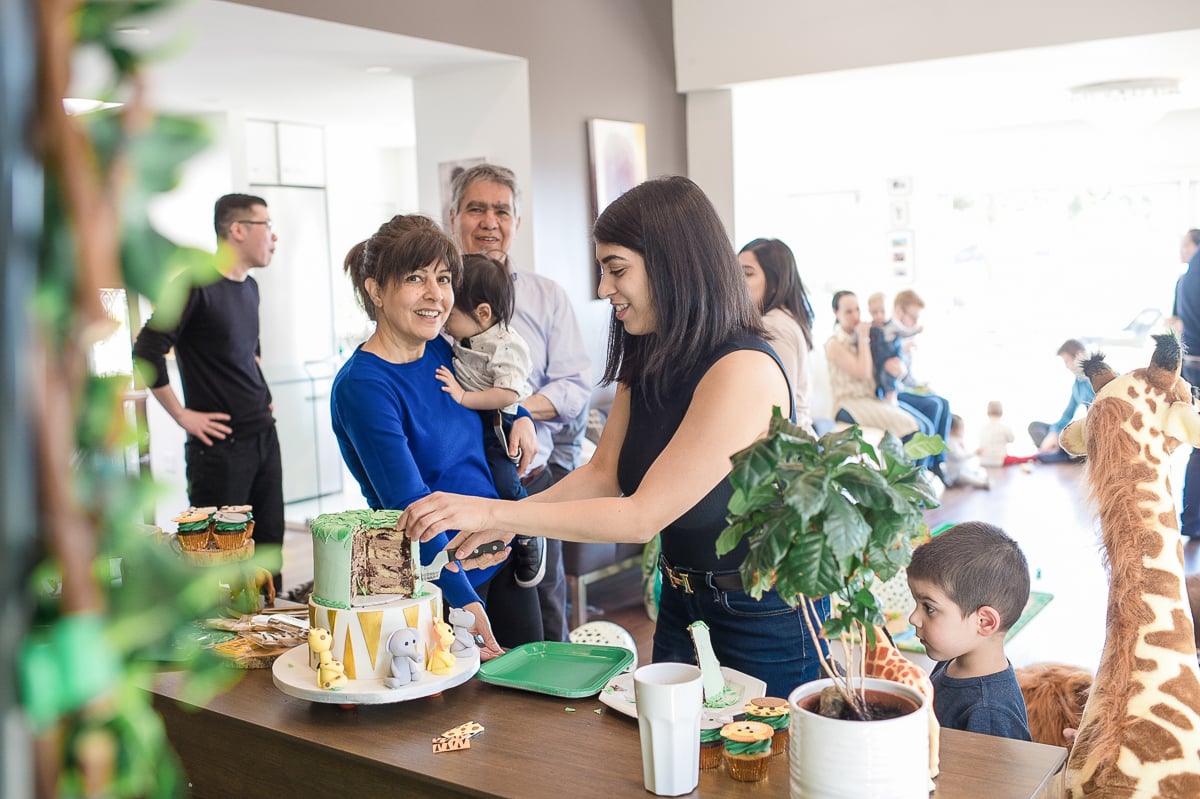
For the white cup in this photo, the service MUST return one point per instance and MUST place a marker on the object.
(669, 697)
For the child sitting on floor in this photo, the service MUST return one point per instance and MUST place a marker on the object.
(995, 437)
(971, 584)
(961, 467)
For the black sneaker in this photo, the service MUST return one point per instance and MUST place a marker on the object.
(530, 564)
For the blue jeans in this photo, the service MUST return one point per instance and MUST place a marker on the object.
(932, 414)
(1189, 523)
(504, 471)
(765, 639)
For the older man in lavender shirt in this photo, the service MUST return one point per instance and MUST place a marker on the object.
(484, 218)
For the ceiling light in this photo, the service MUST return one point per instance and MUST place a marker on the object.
(75, 106)
(1130, 104)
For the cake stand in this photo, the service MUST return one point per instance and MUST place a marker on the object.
(295, 677)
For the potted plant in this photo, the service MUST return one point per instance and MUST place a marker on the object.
(831, 517)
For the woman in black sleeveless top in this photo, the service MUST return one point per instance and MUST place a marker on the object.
(696, 384)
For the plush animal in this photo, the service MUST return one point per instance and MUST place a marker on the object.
(1140, 732)
(1055, 694)
(406, 660)
(440, 661)
(331, 675)
(462, 621)
(884, 661)
(1193, 591)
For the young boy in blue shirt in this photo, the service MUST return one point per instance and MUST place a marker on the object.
(971, 584)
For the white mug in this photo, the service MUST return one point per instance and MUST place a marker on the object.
(669, 698)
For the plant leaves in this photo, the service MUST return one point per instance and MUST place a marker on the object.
(923, 446)
(806, 492)
(844, 527)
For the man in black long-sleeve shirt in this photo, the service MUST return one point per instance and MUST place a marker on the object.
(232, 450)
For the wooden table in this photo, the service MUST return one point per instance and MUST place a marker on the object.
(256, 741)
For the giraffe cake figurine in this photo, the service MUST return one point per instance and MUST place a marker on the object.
(1140, 732)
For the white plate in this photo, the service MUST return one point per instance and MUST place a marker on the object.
(295, 677)
(618, 694)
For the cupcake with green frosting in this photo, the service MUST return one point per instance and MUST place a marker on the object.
(230, 529)
(193, 532)
(773, 712)
(747, 749)
(712, 745)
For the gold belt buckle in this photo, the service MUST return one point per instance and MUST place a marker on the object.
(682, 581)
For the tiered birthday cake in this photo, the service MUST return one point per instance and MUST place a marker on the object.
(366, 586)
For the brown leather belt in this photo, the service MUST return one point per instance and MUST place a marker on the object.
(690, 580)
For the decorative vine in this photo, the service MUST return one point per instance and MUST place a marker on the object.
(96, 628)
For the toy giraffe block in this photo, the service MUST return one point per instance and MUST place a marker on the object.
(885, 661)
(1140, 733)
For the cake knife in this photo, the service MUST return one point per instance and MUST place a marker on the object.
(434, 569)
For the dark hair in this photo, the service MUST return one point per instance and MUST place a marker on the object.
(485, 280)
(1071, 346)
(784, 288)
(696, 283)
(401, 246)
(1194, 235)
(229, 207)
(837, 297)
(488, 172)
(976, 564)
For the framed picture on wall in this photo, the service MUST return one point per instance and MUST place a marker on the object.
(900, 252)
(617, 152)
(447, 172)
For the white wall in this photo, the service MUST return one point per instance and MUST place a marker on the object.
(710, 141)
(371, 177)
(477, 112)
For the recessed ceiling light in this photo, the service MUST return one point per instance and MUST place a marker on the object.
(379, 70)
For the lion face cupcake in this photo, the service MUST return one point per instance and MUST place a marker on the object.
(194, 529)
(747, 749)
(773, 712)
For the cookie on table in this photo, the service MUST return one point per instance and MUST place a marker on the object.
(774, 712)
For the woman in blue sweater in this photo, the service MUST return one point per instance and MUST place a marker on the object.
(401, 435)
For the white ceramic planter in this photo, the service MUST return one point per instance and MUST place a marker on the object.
(835, 759)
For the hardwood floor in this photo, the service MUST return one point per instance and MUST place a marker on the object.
(1047, 511)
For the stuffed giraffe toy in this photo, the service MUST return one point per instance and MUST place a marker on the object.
(885, 661)
(1140, 732)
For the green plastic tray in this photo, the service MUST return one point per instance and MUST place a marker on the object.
(555, 668)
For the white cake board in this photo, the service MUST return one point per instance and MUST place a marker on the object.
(296, 678)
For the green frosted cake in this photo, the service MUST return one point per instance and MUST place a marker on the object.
(360, 553)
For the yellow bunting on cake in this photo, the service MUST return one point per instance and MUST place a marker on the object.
(371, 623)
(348, 658)
(412, 615)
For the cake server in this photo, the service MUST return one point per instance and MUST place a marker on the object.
(434, 569)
